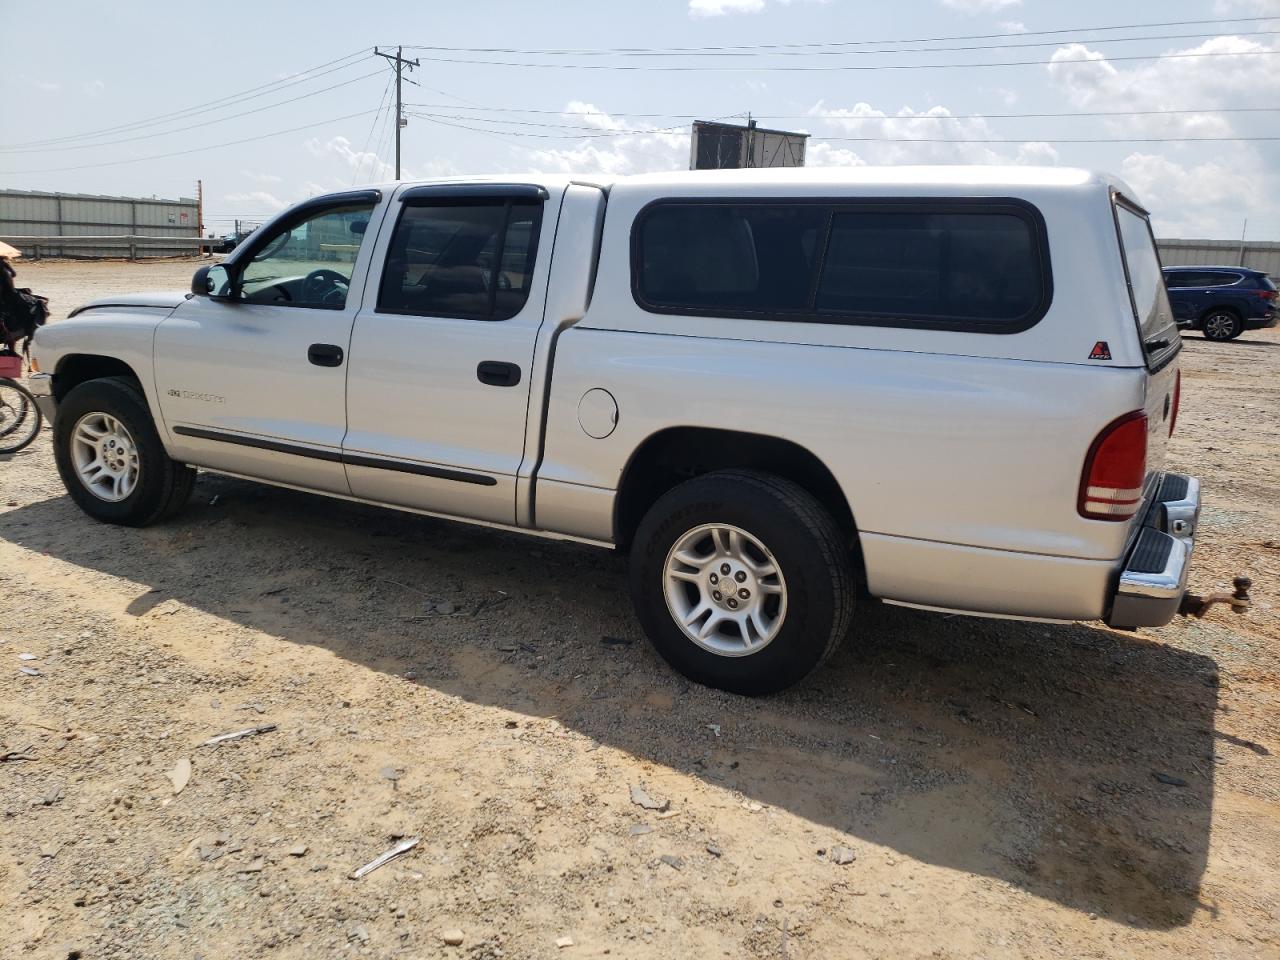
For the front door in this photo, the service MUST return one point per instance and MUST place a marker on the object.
(438, 386)
(255, 384)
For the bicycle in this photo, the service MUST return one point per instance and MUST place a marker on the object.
(20, 417)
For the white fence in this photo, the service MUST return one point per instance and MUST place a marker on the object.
(1256, 255)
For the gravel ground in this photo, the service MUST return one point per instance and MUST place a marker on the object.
(946, 787)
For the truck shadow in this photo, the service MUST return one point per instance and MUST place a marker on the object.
(1071, 762)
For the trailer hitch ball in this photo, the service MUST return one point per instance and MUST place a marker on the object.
(1197, 606)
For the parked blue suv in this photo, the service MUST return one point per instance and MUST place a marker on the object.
(1223, 302)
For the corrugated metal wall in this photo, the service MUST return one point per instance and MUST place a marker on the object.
(1258, 255)
(32, 214)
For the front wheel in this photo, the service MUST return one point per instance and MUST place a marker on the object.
(1222, 325)
(110, 456)
(742, 581)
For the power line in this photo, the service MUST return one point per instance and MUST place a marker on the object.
(1047, 139)
(194, 126)
(668, 130)
(839, 115)
(226, 101)
(369, 136)
(180, 153)
(603, 51)
(860, 52)
(779, 68)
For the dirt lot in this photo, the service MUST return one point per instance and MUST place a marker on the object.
(995, 782)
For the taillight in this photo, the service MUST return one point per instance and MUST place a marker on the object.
(1177, 400)
(1266, 294)
(1114, 470)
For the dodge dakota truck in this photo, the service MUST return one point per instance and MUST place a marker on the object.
(784, 392)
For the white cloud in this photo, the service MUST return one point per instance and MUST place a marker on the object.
(1190, 200)
(906, 137)
(93, 88)
(259, 177)
(910, 136)
(1192, 189)
(980, 6)
(47, 86)
(365, 165)
(258, 201)
(718, 8)
(1012, 26)
(1264, 7)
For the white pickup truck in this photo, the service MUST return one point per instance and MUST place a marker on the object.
(947, 388)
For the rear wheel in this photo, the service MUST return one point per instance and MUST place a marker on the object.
(110, 456)
(742, 581)
(1222, 325)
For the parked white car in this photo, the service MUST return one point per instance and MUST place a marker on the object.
(781, 390)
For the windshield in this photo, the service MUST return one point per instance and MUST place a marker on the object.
(1156, 325)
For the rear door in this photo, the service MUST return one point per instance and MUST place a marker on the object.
(1156, 329)
(440, 367)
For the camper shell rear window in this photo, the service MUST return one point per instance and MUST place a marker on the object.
(950, 264)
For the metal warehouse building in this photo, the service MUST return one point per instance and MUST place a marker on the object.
(39, 224)
(1257, 255)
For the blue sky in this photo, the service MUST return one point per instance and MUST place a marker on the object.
(73, 69)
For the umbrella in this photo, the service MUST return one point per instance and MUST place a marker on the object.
(11, 253)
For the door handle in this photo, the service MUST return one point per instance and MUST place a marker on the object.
(498, 373)
(325, 354)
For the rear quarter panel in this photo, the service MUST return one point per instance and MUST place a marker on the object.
(976, 451)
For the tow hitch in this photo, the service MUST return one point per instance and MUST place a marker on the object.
(1197, 606)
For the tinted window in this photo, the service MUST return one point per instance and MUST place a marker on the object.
(976, 267)
(1145, 281)
(1221, 279)
(729, 257)
(445, 261)
(308, 264)
(930, 264)
(1179, 279)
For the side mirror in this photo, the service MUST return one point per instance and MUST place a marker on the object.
(214, 282)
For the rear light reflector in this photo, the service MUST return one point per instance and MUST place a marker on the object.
(1177, 402)
(1115, 469)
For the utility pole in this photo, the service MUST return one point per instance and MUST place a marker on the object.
(400, 63)
(751, 141)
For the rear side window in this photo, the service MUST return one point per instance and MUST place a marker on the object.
(722, 257)
(946, 264)
(966, 267)
(1146, 283)
(472, 259)
(1216, 279)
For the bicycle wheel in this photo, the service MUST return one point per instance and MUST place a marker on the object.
(20, 418)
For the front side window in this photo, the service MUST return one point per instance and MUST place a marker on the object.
(469, 259)
(946, 264)
(308, 263)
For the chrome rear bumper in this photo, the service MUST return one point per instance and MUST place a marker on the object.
(1150, 587)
